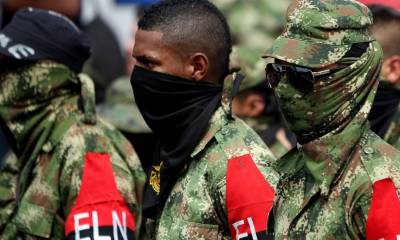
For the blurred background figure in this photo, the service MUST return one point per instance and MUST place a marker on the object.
(385, 114)
(254, 25)
(394, 4)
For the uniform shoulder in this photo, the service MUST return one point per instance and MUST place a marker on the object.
(97, 137)
(236, 139)
(380, 159)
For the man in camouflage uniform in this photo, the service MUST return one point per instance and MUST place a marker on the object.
(210, 165)
(385, 113)
(73, 175)
(342, 181)
(255, 24)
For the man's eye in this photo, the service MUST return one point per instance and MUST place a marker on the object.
(145, 62)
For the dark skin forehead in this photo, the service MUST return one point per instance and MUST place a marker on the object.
(152, 53)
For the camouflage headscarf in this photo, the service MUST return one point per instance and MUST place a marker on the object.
(334, 101)
(30, 96)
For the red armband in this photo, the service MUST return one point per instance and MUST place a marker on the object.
(99, 211)
(384, 214)
(249, 199)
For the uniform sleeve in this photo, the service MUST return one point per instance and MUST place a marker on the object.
(92, 162)
(39, 204)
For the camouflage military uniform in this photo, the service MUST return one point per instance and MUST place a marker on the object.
(343, 181)
(197, 205)
(53, 135)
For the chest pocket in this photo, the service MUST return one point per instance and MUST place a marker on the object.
(99, 211)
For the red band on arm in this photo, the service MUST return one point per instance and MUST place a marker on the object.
(249, 199)
(384, 215)
(99, 210)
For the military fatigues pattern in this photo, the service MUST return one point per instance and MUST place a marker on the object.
(52, 138)
(196, 206)
(328, 183)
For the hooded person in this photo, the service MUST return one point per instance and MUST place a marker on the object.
(73, 176)
(342, 181)
(208, 165)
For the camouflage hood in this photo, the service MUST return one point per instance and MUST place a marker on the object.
(36, 101)
(341, 99)
(330, 120)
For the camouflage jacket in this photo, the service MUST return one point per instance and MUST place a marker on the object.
(40, 188)
(342, 206)
(214, 196)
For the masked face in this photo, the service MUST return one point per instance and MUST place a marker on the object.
(178, 103)
(331, 100)
(178, 111)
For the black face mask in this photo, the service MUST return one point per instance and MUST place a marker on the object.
(178, 111)
(384, 108)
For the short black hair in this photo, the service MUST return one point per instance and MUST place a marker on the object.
(192, 26)
(387, 25)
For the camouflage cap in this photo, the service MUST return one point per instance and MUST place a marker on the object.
(120, 108)
(320, 32)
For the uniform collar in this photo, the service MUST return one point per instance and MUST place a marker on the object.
(222, 115)
(326, 157)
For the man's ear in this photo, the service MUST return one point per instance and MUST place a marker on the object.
(256, 105)
(391, 69)
(198, 66)
(252, 105)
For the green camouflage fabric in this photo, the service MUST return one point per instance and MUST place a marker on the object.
(319, 33)
(326, 184)
(196, 206)
(119, 108)
(52, 133)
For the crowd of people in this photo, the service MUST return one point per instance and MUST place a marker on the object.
(220, 119)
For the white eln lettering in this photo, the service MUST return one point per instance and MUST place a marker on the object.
(96, 235)
(397, 238)
(78, 227)
(252, 228)
(121, 227)
(19, 49)
(4, 40)
(236, 227)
